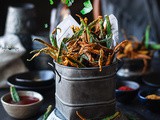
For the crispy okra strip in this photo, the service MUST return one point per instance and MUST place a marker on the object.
(100, 61)
(88, 31)
(73, 60)
(45, 50)
(93, 23)
(46, 44)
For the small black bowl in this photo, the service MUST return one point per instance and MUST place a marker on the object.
(126, 96)
(152, 79)
(39, 78)
(152, 105)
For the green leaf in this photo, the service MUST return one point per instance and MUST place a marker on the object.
(147, 32)
(14, 95)
(68, 2)
(51, 2)
(87, 7)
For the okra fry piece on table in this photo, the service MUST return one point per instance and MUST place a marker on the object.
(14, 95)
(46, 114)
(116, 115)
(82, 118)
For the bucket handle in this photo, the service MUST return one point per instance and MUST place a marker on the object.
(54, 70)
(119, 65)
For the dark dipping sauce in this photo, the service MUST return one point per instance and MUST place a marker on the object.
(24, 100)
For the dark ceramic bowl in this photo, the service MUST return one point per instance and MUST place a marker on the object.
(152, 105)
(33, 78)
(126, 96)
(152, 79)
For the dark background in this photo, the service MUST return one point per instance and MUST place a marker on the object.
(43, 11)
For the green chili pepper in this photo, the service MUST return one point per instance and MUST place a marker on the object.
(76, 62)
(14, 95)
(60, 51)
(101, 35)
(108, 26)
(53, 41)
(147, 37)
(109, 41)
(46, 114)
(154, 46)
(109, 32)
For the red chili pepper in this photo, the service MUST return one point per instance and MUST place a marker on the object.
(125, 88)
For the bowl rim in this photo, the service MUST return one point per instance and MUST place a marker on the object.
(31, 104)
(34, 72)
(144, 98)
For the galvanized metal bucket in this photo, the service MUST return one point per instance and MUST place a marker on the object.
(86, 90)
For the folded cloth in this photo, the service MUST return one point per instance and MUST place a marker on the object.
(11, 51)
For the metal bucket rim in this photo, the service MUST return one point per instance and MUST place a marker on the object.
(87, 68)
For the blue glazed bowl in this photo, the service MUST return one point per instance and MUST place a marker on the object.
(152, 105)
(126, 96)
